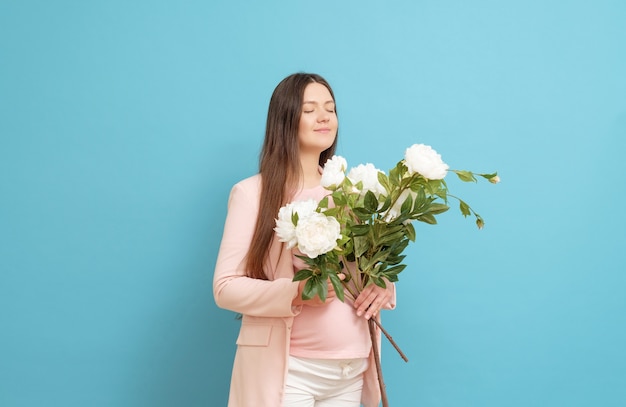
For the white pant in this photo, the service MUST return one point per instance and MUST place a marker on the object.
(324, 382)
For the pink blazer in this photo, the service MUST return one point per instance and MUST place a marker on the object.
(260, 366)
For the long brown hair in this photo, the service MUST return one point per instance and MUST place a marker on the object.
(279, 162)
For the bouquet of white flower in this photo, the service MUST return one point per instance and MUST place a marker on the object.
(363, 226)
(365, 222)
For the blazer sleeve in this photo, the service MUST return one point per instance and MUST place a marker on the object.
(232, 288)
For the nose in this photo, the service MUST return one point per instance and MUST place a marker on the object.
(323, 117)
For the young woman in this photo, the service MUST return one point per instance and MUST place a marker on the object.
(292, 352)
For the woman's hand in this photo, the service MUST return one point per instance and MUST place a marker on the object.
(372, 299)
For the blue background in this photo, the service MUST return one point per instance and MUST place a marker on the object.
(123, 126)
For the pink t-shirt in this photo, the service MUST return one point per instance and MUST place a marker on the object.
(331, 331)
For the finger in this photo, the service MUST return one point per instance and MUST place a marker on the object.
(331, 291)
(384, 295)
(366, 303)
(376, 299)
(363, 297)
(373, 309)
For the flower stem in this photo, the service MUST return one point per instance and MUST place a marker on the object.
(393, 343)
(402, 189)
(379, 370)
(468, 207)
(353, 278)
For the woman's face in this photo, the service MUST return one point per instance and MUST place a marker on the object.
(318, 120)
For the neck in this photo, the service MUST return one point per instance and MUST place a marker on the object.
(310, 170)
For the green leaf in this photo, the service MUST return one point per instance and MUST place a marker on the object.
(421, 205)
(386, 205)
(302, 275)
(346, 184)
(410, 231)
(370, 202)
(363, 214)
(407, 204)
(384, 181)
(465, 176)
(334, 212)
(396, 250)
(421, 194)
(310, 289)
(315, 286)
(323, 203)
(437, 208)
(427, 218)
(361, 245)
(360, 230)
(363, 263)
(379, 257)
(394, 259)
(322, 289)
(395, 175)
(337, 285)
(383, 229)
(395, 270)
(465, 209)
(339, 198)
(392, 278)
(379, 282)
(489, 176)
(390, 238)
(443, 194)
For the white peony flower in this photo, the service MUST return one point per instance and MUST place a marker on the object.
(368, 175)
(334, 172)
(285, 229)
(304, 209)
(422, 159)
(317, 234)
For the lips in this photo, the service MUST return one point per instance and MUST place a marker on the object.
(322, 130)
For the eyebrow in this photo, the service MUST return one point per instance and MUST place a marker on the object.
(311, 101)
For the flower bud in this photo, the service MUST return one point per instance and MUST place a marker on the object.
(494, 180)
(480, 223)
